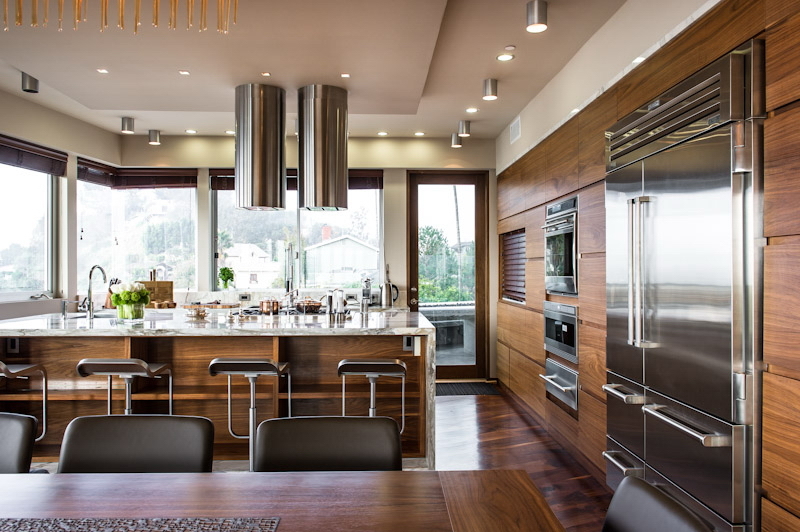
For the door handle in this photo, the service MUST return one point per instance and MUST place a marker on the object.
(551, 379)
(625, 469)
(707, 440)
(413, 301)
(631, 271)
(627, 398)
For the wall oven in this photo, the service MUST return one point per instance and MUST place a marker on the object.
(560, 247)
(561, 330)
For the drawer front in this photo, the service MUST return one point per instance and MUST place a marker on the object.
(620, 463)
(701, 454)
(561, 382)
(624, 416)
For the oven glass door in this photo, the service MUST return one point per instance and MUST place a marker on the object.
(560, 263)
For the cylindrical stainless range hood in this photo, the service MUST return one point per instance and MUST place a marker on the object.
(322, 176)
(260, 139)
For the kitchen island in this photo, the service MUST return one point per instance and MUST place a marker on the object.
(313, 344)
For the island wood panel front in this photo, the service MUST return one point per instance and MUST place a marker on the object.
(781, 167)
(782, 52)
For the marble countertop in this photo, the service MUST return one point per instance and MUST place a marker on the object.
(174, 322)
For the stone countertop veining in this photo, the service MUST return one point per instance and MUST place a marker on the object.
(173, 322)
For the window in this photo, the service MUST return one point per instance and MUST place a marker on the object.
(130, 231)
(26, 214)
(512, 265)
(332, 248)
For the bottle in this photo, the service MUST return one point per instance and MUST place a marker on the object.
(366, 289)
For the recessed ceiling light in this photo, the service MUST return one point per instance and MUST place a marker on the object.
(472, 109)
(382, 133)
(638, 60)
(420, 133)
(102, 71)
(266, 74)
(191, 131)
(230, 132)
(345, 75)
(183, 72)
(510, 48)
(505, 57)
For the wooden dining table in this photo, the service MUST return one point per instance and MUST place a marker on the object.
(373, 501)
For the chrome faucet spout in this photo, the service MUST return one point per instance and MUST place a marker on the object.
(89, 303)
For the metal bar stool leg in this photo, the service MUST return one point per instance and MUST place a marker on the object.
(373, 380)
(343, 393)
(128, 393)
(253, 421)
(289, 394)
(44, 405)
(108, 407)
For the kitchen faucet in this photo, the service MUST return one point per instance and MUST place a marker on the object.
(89, 302)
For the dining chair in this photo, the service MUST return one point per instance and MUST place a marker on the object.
(137, 443)
(638, 506)
(328, 443)
(17, 434)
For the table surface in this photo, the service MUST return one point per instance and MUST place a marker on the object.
(376, 501)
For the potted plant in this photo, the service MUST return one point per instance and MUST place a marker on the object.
(225, 276)
(130, 300)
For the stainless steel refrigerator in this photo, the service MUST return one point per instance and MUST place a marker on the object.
(683, 247)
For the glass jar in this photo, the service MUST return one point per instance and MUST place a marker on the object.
(130, 312)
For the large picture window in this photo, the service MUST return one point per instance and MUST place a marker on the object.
(132, 231)
(26, 210)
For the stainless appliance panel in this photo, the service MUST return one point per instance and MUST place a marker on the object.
(622, 356)
(561, 382)
(560, 247)
(561, 330)
(625, 419)
(687, 276)
(714, 521)
(620, 463)
(703, 455)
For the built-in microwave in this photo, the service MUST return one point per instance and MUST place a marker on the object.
(560, 247)
(561, 330)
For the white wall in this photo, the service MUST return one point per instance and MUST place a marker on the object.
(637, 29)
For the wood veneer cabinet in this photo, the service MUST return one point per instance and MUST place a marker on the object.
(782, 50)
(780, 445)
(782, 305)
(776, 519)
(781, 167)
(316, 387)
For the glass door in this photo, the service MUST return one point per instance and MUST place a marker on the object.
(447, 266)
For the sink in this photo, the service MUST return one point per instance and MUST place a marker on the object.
(99, 314)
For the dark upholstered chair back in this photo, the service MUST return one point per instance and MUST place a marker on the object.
(17, 432)
(137, 444)
(328, 444)
(637, 506)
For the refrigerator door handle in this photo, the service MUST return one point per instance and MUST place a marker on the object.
(638, 253)
(625, 469)
(707, 440)
(631, 270)
(627, 398)
(551, 379)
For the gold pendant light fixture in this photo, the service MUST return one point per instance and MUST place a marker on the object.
(226, 10)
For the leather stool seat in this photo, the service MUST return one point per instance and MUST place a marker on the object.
(25, 371)
(126, 369)
(372, 369)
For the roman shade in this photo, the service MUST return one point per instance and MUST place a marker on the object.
(30, 156)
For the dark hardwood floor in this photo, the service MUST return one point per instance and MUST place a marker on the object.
(492, 432)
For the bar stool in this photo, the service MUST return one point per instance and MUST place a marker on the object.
(25, 371)
(126, 369)
(252, 369)
(372, 369)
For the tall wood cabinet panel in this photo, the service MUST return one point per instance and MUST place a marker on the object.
(525, 382)
(514, 326)
(503, 363)
(535, 293)
(716, 33)
(592, 429)
(780, 445)
(592, 219)
(781, 168)
(782, 306)
(511, 193)
(534, 235)
(777, 10)
(592, 360)
(592, 289)
(533, 168)
(783, 63)
(561, 149)
(512, 223)
(776, 519)
(592, 123)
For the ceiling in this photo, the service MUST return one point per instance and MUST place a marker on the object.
(415, 65)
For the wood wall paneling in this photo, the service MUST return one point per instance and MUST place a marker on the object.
(533, 166)
(561, 149)
(781, 168)
(592, 219)
(777, 10)
(783, 63)
(534, 234)
(503, 367)
(535, 293)
(592, 428)
(781, 307)
(562, 425)
(511, 192)
(716, 33)
(512, 223)
(514, 326)
(776, 519)
(593, 122)
(526, 383)
(592, 360)
(780, 446)
(592, 289)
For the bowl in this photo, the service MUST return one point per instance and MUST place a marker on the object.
(308, 306)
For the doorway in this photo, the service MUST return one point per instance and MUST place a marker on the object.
(448, 264)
